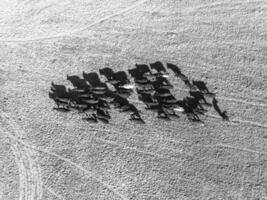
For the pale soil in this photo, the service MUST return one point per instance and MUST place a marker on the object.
(46, 154)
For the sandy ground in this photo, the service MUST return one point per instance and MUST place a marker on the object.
(46, 154)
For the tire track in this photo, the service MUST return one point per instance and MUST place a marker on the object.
(83, 169)
(138, 150)
(234, 121)
(35, 175)
(231, 99)
(18, 129)
(237, 148)
(71, 33)
(179, 142)
(30, 184)
(53, 193)
(179, 151)
(90, 173)
(21, 169)
(30, 175)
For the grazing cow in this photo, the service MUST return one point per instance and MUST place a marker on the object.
(162, 82)
(194, 103)
(135, 73)
(143, 69)
(122, 77)
(201, 85)
(199, 96)
(174, 68)
(77, 82)
(189, 106)
(59, 90)
(158, 66)
(120, 84)
(94, 80)
(107, 72)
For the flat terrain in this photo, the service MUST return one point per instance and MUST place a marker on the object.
(46, 155)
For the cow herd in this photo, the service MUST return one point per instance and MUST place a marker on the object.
(96, 93)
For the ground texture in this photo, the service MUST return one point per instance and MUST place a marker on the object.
(45, 154)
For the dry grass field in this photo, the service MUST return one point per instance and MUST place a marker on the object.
(47, 155)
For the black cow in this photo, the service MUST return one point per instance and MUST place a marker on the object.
(77, 82)
(107, 72)
(59, 90)
(158, 66)
(94, 80)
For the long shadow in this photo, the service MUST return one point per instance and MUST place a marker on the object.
(177, 71)
(200, 97)
(190, 107)
(174, 68)
(202, 86)
(218, 110)
(125, 106)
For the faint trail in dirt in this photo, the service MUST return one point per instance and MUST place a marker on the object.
(138, 150)
(77, 30)
(35, 176)
(29, 171)
(83, 169)
(179, 142)
(233, 121)
(235, 147)
(180, 151)
(90, 174)
(53, 193)
(232, 99)
(21, 169)
(216, 4)
(242, 101)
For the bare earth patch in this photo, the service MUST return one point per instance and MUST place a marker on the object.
(45, 154)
